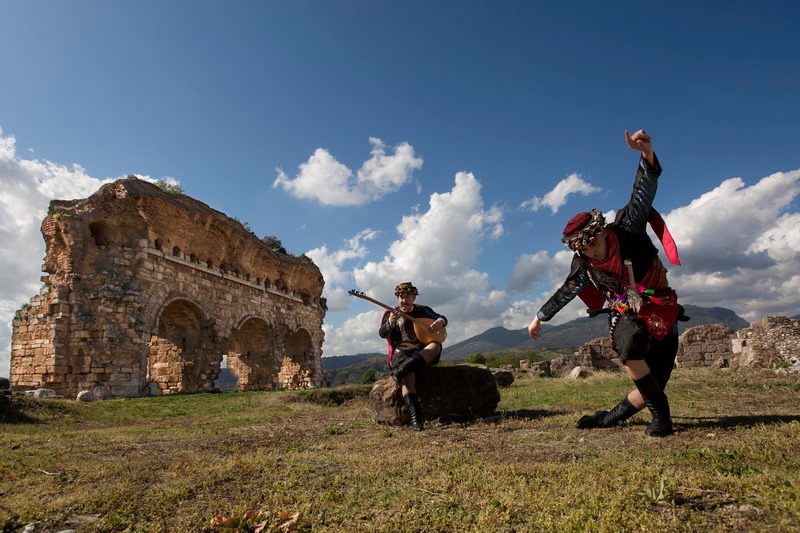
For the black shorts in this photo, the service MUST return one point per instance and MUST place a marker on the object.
(401, 355)
(632, 343)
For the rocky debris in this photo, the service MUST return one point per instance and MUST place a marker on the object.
(541, 369)
(773, 342)
(446, 393)
(561, 366)
(41, 394)
(581, 372)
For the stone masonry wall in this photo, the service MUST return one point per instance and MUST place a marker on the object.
(773, 342)
(706, 345)
(148, 291)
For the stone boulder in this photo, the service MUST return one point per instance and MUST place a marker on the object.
(85, 396)
(504, 378)
(446, 393)
(581, 372)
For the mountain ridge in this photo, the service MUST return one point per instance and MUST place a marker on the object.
(572, 334)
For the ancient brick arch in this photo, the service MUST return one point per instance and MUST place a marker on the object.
(297, 359)
(184, 356)
(148, 287)
(252, 356)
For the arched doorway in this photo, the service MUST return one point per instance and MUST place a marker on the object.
(183, 355)
(251, 356)
(296, 364)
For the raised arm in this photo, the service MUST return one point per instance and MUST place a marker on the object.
(642, 142)
(634, 216)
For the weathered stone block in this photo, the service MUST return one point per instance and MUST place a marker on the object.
(447, 393)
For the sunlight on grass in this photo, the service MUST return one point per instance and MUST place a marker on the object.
(173, 463)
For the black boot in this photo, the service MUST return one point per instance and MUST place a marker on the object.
(412, 364)
(606, 419)
(415, 411)
(657, 403)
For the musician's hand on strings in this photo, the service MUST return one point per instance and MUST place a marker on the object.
(437, 325)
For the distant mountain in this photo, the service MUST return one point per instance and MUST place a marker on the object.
(344, 369)
(340, 361)
(712, 315)
(226, 382)
(575, 333)
(571, 334)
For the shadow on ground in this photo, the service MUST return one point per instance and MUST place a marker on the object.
(730, 422)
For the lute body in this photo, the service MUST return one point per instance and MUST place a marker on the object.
(422, 325)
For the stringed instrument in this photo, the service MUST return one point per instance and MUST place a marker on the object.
(422, 325)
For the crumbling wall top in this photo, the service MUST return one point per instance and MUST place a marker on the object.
(130, 211)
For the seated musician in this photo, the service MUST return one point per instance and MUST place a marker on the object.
(408, 355)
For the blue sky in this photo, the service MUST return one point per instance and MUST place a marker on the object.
(444, 143)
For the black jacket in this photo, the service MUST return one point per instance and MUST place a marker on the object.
(630, 227)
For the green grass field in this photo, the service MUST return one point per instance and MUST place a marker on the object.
(172, 463)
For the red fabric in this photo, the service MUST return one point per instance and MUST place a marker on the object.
(659, 317)
(590, 294)
(388, 341)
(592, 297)
(577, 223)
(613, 261)
(663, 234)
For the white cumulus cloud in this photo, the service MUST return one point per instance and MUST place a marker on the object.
(557, 198)
(324, 179)
(28, 185)
(437, 250)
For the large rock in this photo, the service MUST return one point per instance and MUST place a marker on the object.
(503, 378)
(446, 393)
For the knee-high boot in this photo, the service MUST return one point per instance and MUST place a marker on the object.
(414, 409)
(606, 419)
(412, 364)
(658, 404)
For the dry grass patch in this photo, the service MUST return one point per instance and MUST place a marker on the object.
(174, 463)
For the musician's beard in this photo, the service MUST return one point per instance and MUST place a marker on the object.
(406, 308)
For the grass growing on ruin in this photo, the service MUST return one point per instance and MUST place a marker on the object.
(172, 463)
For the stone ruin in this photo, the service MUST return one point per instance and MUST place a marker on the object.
(147, 290)
(773, 342)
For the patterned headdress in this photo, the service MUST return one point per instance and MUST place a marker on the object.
(405, 288)
(582, 229)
